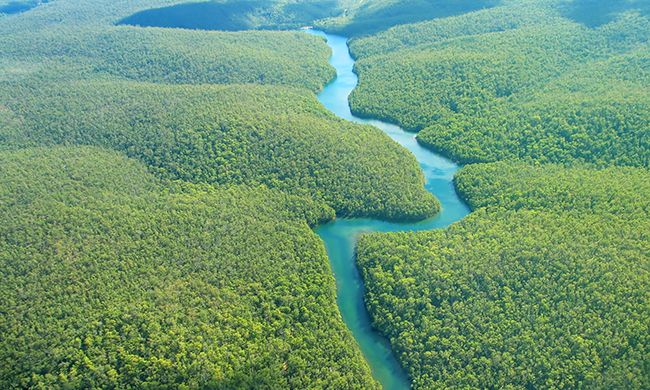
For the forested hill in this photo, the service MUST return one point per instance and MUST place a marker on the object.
(545, 284)
(236, 134)
(159, 183)
(113, 279)
(237, 15)
(361, 17)
(59, 72)
(157, 193)
(166, 56)
(514, 81)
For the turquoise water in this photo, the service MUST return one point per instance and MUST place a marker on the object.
(340, 236)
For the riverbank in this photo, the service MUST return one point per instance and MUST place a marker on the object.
(340, 236)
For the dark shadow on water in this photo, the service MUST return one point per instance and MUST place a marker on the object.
(595, 13)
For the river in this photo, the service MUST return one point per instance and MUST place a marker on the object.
(341, 235)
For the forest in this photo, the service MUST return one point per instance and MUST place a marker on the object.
(112, 278)
(361, 18)
(544, 285)
(158, 192)
(154, 55)
(277, 137)
(236, 15)
(164, 164)
(553, 92)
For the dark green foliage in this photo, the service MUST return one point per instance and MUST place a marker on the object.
(110, 279)
(278, 137)
(236, 15)
(364, 17)
(544, 286)
(550, 90)
(474, 23)
(594, 13)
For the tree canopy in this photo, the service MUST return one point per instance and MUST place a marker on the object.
(112, 278)
(545, 284)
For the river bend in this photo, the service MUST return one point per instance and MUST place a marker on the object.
(340, 236)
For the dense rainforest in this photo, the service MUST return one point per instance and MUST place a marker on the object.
(163, 164)
(493, 85)
(112, 278)
(235, 134)
(158, 190)
(545, 284)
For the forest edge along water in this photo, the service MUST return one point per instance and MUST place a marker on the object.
(340, 236)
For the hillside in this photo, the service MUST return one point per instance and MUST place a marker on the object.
(158, 190)
(543, 285)
(360, 18)
(165, 166)
(111, 278)
(513, 82)
(237, 134)
(236, 15)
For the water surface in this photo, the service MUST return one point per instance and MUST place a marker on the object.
(341, 235)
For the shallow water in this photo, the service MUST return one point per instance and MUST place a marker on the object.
(341, 235)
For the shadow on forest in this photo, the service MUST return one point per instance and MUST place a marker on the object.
(369, 18)
(233, 15)
(595, 13)
(16, 7)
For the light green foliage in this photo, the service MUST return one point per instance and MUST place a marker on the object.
(181, 56)
(82, 39)
(544, 286)
(279, 137)
(111, 275)
(514, 81)
(547, 187)
(113, 279)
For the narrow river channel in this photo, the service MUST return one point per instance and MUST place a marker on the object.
(341, 235)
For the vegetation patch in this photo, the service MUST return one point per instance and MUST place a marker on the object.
(361, 18)
(544, 285)
(112, 278)
(224, 135)
(530, 85)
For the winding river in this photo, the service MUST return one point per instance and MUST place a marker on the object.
(340, 236)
